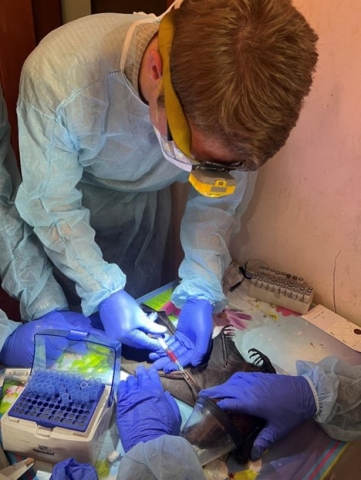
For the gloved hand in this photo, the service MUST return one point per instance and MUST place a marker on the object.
(192, 337)
(18, 349)
(284, 401)
(125, 321)
(70, 469)
(144, 410)
(74, 318)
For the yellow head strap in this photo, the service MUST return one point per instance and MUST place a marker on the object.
(176, 119)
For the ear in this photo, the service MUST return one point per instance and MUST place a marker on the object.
(150, 75)
(154, 67)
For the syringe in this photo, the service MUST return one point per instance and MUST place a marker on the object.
(171, 355)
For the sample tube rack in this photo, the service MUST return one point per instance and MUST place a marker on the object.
(281, 289)
(53, 399)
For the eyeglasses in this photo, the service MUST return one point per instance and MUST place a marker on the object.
(176, 153)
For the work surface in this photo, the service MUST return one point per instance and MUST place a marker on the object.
(307, 452)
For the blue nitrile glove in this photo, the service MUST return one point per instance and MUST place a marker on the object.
(70, 469)
(284, 401)
(192, 337)
(144, 410)
(125, 321)
(77, 320)
(18, 349)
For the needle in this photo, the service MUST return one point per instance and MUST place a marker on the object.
(171, 355)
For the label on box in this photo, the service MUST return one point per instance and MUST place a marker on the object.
(338, 327)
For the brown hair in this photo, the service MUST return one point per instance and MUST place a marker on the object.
(241, 69)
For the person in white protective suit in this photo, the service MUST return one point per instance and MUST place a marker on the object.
(26, 273)
(114, 108)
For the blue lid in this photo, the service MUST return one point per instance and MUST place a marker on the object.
(77, 352)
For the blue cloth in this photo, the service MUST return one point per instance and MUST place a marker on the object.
(25, 271)
(337, 389)
(92, 164)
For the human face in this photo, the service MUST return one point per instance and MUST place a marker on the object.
(206, 152)
(211, 150)
(211, 153)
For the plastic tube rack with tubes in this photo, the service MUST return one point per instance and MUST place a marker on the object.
(281, 289)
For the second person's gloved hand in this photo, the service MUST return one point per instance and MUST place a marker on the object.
(192, 338)
(74, 318)
(125, 321)
(70, 469)
(284, 401)
(18, 349)
(144, 410)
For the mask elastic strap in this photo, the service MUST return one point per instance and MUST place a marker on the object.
(130, 32)
(174, 5)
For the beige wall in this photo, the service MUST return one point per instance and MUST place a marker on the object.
(305, 215)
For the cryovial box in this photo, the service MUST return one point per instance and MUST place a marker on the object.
(67, 405)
